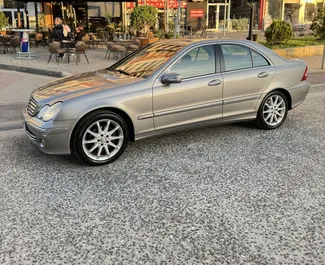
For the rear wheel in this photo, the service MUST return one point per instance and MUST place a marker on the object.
(273, 111)
(101, 138)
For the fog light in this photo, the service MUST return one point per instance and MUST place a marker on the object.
(42, 143)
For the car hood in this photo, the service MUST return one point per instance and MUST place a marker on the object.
(83, 84)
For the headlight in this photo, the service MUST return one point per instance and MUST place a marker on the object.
(49, 112)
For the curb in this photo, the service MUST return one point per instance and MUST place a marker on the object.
(10, 125)
(317, 88)
(32, 70)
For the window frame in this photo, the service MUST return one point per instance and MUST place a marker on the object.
(216, 55)
(222, 59)
(269, 64)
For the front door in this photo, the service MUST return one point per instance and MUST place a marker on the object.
(246, 74)
(197, 98)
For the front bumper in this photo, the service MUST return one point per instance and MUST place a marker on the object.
(51, 137)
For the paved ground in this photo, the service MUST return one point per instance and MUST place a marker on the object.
(96, 59)
(222, 195)
(15, 87)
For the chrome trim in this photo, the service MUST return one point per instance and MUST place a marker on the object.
(146, 116)
(196, 107)
(32, 106)
(250, 47)
(241, 99)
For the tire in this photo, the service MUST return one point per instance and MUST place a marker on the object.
(273, 111)
(100, 138)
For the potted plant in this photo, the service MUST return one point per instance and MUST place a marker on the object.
(3, 23)
(142, 18)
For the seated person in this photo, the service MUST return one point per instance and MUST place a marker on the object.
(57, 32)
(80, 33)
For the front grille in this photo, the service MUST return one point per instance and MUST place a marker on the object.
(32, 107)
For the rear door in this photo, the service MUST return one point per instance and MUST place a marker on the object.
(246, 73)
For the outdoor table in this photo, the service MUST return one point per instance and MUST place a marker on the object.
(25, 52)
(123, 42)
(68, 46)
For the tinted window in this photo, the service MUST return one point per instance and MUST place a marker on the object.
(258, 60)
(236, 57)
(197, 62)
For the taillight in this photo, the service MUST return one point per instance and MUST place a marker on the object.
(304, 77)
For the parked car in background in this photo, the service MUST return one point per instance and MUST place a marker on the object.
(165, 87)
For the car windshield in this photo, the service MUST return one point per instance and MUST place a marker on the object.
(147, 60)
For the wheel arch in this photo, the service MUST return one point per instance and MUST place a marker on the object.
(117, 111)
(284, 92)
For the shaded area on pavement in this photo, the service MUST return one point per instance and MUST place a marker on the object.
(11, 112)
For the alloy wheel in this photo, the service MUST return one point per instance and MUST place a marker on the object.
(274, 110)
(102, 139)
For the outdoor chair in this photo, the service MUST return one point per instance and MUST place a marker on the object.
(55, 48)
(3, 41)
(98, 40)
(108, 45)
(37, 39)
(46, 39)
(117, 50)
(12, 44)
(133, 47)
(81, 48)
(86, 39)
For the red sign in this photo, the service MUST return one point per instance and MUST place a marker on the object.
(158, 3)
(196, 13)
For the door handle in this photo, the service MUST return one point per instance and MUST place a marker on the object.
(262, 75)
(215, 82)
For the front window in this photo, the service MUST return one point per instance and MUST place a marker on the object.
(146, 61)
(198, 62)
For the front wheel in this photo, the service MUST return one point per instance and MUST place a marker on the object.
(101, 138)
(273, 111)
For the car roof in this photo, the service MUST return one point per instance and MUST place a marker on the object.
(194, 42)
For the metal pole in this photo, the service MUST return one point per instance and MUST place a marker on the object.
(36, 16)
(250, 34)
(323, 61)
(228, 21)
(176, 29)
(165, 16)
(224, 19)
(18, 15)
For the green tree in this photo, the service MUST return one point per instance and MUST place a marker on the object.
(143, 17)
(3, 20)
(318, 25)
(278, 32)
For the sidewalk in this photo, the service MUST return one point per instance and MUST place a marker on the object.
(40, 66)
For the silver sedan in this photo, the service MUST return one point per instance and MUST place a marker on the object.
(164, 87)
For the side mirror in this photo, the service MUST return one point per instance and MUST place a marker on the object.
(171, 78)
